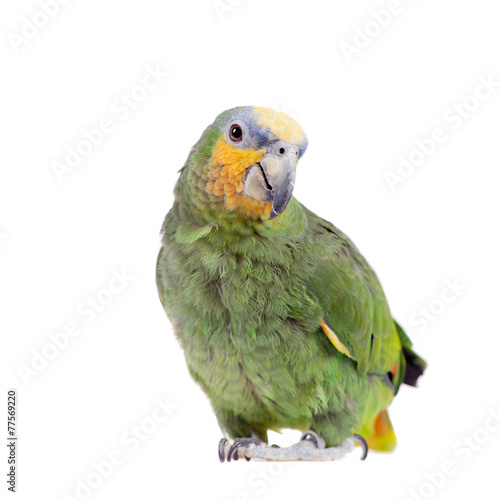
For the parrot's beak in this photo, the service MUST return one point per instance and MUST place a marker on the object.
(273, 179)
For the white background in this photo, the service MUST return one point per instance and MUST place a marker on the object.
(61, 239)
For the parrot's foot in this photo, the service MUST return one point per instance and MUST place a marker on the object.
(240, 445)
(311, 447)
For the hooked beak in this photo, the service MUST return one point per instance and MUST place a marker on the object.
(273, 179)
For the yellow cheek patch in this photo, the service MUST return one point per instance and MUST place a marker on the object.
(234, 161)
(334, 339)
(224, 179)
(281, 125)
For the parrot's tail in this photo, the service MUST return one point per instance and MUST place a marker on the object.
(383, 437)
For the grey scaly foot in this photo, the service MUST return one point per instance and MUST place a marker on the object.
(311, 447)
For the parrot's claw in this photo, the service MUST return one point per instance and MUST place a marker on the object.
(222, 449)
(240, 445)
(311, 447)
(315, 438)
(361, 441)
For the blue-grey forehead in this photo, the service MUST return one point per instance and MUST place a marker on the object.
(245, 114)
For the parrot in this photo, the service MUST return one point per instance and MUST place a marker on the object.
(281, 320)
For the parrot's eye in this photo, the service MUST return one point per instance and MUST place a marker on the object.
(235, 133)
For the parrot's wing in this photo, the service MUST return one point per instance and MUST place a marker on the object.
(356, 316)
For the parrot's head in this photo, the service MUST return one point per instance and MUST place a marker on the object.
(246, 161)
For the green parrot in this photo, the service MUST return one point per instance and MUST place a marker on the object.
(282, 321)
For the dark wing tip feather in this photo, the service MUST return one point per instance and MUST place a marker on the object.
(415, 367)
